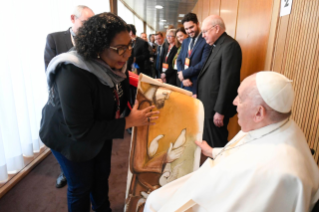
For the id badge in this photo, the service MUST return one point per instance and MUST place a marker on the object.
(175, 65)
(164, 67)
(187, 62)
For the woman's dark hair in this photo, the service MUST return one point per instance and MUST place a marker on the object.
(177, 43)
(190, 17)
(97, 33)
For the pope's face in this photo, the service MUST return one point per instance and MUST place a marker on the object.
(245, 107)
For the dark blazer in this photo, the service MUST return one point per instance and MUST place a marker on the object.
(79, 117)
(197, 59)
(171, 73)
(219, 79)
(160, 57)
(57, 43)
(142, 55)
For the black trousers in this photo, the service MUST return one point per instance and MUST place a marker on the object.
(215, 136)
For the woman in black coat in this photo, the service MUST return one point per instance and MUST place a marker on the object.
(88, 92)
(169, 74)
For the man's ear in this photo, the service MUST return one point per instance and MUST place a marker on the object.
(73, 18)
(260, 114)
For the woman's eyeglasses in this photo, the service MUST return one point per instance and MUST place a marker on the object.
(121, 50)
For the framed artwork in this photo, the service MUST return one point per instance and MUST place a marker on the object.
(165, 151)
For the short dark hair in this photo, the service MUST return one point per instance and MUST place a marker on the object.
(97, 33)
(133, 29)
(190, 17)
(149, 36)
(159, 33)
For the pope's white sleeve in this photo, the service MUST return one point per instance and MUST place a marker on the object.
(215, 151)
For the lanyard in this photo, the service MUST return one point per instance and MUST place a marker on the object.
(189, 45)
(117, 114)
(169, 51)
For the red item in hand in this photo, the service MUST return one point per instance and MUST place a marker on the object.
(133, 79)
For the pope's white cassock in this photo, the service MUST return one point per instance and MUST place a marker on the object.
(267, 169)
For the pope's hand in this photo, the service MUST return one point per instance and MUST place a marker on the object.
(173, 154)
(206, 149)
(141, 117)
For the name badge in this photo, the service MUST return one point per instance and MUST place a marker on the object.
(187, 62)
(175, 65)
(164, 67)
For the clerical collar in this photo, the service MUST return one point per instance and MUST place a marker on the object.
(258, 133)
(218, 40)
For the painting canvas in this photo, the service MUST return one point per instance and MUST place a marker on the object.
(165, 151)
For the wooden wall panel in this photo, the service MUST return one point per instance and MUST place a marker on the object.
(214, 7)
(280, 43)
(272, 34)
(252, 33)
(228, 12)
(296, 55)
(205, 9)
(200, 11)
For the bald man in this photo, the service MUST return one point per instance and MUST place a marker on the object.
(60, 42)
(267, 166)
(218, 80)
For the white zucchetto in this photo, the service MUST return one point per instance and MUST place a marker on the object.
(276, 90)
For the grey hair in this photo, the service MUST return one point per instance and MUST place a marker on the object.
(78, 10)
(218, 21)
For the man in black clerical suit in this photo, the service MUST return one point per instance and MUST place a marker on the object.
(60, 42)
(140, 54)
(218, 81)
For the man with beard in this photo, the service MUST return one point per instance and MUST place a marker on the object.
(192, 55)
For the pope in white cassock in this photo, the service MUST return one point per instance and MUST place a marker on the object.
(267, 166)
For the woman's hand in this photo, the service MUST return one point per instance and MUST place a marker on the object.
(140, 117)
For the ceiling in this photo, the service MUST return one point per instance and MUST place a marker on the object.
(170, 12)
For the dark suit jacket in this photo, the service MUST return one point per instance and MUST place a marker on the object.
(171, 73)
(142, 55)
(198, 57)
(57, 43)
(80, 117)
(219, 79)
(162, 57)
